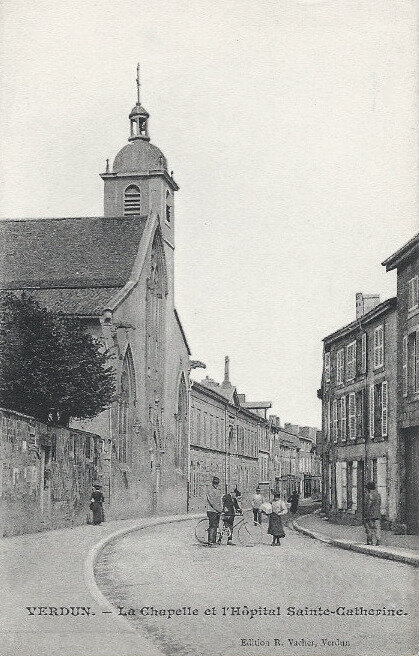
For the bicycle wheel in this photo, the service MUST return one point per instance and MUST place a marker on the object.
(201, 531)
(249, 535)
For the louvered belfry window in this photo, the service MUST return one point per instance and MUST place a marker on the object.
(132, 200)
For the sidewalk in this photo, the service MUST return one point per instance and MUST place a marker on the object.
(403, 548)
(51, 569)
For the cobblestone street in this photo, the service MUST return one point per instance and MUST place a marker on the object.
(164, 568)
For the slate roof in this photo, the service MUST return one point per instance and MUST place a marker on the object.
(71, 265)
(76, 252)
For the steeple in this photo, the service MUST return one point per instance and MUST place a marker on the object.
(139, 116)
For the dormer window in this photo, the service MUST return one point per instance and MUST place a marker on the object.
(132, 200)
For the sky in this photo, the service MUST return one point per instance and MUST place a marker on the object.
(290, 128)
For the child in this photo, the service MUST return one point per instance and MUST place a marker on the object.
(275, 528)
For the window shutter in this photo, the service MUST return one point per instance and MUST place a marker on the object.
(384, 413)
(416, 363)
(327, 367)
(335, 420)
(352, 416)
(378, 347)
(354, 485)
(364, 353)
(372, 412)
(344, 485)
(339, 485)
(405, 366)
(382, 482)
(343, 417)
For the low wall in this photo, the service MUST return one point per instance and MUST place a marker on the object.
(46, 474)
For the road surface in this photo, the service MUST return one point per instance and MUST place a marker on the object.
(298, 599)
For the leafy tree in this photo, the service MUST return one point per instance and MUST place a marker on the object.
(50, 367)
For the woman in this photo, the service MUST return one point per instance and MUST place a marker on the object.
(293, 500)
(275, 528)
(96, 504)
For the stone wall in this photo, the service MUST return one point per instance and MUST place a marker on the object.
(46, 474)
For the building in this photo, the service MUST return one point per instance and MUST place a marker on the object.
(358, 392)
(406, 262)
(224, 440)
(285, 447)
(116, 273)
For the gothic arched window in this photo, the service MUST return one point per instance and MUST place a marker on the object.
(168, 207)
(127, 398)
(132, 200)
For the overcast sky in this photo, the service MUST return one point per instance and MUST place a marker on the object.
(290, 129)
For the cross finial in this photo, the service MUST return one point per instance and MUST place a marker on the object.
(138, 83)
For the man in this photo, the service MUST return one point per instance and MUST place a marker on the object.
(257, 501)
(231, 507)
(372, 514)
(214, 505)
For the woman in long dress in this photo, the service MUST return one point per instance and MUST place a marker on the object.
(275, 528)
(96, 504)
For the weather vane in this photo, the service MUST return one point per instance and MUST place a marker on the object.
(138, 83)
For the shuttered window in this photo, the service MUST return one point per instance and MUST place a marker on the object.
(352, 416)
(405, 380)
(343, 417)
(351, 361)
(382, 482)
(335, 420)
(384, 410)
(327, 367)
(354, 481)
(132, 200)
(413, 300)
(378, 347)
(364, 353)
(340, 366)
(372, 422)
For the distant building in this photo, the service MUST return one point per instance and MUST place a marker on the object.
(406, 262)
(358, 392)
(224, 440)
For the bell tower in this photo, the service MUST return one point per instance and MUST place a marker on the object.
(139, 182)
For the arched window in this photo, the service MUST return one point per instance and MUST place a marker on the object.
(132, 200)
(168, 207)
(126, 408)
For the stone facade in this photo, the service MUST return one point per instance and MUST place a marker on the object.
(46, 474)
(406, 262)
(116, 274)
(360, 432)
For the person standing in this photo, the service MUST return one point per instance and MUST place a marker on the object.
(372, 514)
(96, 504)
(214, 506)
(293, 500)
(257, 501)
(275, 528)
(231, 507)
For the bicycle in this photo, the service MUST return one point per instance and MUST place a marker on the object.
(248, 534)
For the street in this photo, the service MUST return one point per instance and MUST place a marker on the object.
(181, 595)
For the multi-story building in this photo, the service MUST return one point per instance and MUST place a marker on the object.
(224, 440)
(285, 445)
(358, 392)
(406, 262)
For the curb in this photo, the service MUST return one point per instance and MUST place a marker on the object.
(90, 581)
(369, 550)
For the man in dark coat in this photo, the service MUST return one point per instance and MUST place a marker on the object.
(372, 514)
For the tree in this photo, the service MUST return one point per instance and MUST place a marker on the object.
(50, 367)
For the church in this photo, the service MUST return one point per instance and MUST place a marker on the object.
(116, 273)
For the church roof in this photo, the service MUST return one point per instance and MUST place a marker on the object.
(75, 265)
(85, 252)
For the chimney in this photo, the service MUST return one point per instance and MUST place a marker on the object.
(226, 381)
(365, 303)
